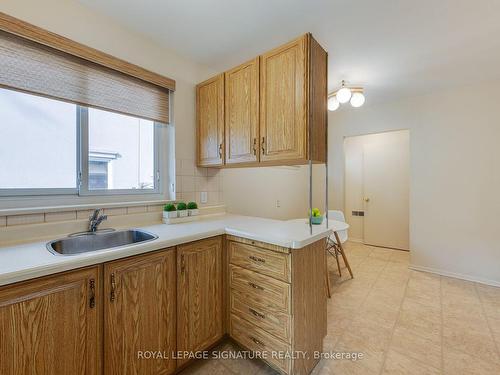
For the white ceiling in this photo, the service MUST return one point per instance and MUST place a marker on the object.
(392, 47)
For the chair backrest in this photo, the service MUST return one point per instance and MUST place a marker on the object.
(336, 215)
(339, 216)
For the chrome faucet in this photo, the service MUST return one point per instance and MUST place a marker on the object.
(96, 219)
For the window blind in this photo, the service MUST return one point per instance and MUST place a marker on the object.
(32, 67)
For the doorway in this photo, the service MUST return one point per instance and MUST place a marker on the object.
(377, 184)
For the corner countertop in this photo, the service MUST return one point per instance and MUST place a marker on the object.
(31, 260)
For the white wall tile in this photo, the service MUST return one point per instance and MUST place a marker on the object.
(155, 208)
(60, 216)
(115, 211)
(136, 210)
(25, 219)
(83, 214)
(187, 184)
(187, 167)
(200, 183)
(213, 183)
(3, 221)
(202, 172)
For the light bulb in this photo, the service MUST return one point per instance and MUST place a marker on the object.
(333, 103)
(357, 99)
(343, 95)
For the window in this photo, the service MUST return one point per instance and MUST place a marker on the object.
(53, 147)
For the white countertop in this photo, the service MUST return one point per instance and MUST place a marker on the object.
(26, 261)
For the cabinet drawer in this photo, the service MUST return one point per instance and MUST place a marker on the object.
(264, 292)
(267, 262)
(274, 322)
(256, 339)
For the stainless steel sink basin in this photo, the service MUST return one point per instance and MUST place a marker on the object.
(92, 241)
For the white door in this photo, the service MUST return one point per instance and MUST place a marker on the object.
(386, 180)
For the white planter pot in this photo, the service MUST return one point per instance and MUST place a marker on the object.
(193, 212)
(182, 213)
(169, 214)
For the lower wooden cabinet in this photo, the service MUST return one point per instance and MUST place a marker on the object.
(140, 314)
(51, 325)
(199, 295)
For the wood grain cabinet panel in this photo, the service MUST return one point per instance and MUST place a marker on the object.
(283, 102)
(140, 313)
(242, 113)
(210, 121)
(51, 326)
(199, 295)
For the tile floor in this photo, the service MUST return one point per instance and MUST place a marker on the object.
(403, 321)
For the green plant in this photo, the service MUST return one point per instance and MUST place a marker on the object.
(181, 206)
(169, 207)
(192, 206)
(316, 212)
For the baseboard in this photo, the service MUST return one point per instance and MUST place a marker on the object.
(456, 275)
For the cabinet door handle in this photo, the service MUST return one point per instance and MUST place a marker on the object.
(113, 288)
(263, 145)
(255, 286)
(92, 293)
(257, 259)
(220, 150)
(255, 146)
(256, 313)
(256, 341)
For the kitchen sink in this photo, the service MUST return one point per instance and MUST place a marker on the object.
(99, 240)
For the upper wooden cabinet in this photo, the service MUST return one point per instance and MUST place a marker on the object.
(275, 108)
(51, 325)
(283, 105)
(210, 121)
(242, 113)
(140, 310)
(199, 295)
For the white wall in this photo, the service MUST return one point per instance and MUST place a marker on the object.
(255, 191)
(71, 19)
(454, 174)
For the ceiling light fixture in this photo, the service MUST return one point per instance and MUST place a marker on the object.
(345, 94)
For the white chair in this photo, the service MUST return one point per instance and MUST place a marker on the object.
(335, 241)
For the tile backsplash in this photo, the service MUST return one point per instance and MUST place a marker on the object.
(190, 181)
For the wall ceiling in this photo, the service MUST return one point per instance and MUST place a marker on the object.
(392, 47)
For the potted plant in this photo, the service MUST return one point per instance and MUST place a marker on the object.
(316, 217)
(169, 211)
(192, 209)
(182, 209)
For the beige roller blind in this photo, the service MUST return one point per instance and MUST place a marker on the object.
(35, 68)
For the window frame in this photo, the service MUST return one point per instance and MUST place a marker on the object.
(83, 168)
(81, 177)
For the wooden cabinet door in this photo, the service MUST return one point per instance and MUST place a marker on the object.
(210, 121)
(199, 294)
(51, 326)
(283, 102)
(242, 113)
(139, 314)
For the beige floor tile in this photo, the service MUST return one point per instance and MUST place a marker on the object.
(398, 364)
(477, 343)
(460, 363)
(417, 347)
(414, 318)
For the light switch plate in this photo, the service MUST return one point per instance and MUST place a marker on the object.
(203, 197)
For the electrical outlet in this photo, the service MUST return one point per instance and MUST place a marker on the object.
(278, 204)
(203, 197)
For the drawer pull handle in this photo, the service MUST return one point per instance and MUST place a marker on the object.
(257, 259)
(255, 286)
(256, 313)
(256, 341)
(92, 293)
